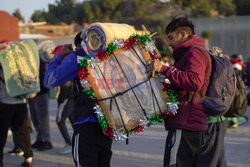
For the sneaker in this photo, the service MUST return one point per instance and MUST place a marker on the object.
(45, 146)
(36, 144)
(66, 150)
(26, 164)
(16, 151)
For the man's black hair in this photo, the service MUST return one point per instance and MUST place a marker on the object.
(179, 22)
(78, 39)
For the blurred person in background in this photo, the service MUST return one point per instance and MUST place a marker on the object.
(14, 113)
(65, 105)
(39, 108)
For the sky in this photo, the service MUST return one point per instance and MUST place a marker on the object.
(26, 7)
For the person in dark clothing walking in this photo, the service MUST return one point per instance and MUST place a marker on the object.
(91, 147)
(14, 114)
(189, 76)
(39, 111)
(65, 106)
(64, 110)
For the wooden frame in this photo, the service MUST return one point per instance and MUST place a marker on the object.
(112, 80)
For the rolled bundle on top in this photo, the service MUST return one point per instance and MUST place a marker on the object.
(98, 36)
(46, 49)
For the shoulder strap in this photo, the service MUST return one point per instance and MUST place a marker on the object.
(196, 46)
(191, 93)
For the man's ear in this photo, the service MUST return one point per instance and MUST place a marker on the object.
(184, 35)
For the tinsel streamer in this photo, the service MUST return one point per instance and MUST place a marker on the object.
(155, 119)
(172, 96)
(91, 93)
(144, 122)
(92, 62)
(102, 121)
(101, 56)
(166, 87)
(108, 131)
(83, 73)
(118, 135)
(119, 43)
(153, 56)
(172, 107)
(111, 48)
(164, 115)
(150, 47)
(136, 37)
(132, 41)
(145, 38)
(137, 129)
(84, 62)
(85, 84)
(100, 116)
(126, 45)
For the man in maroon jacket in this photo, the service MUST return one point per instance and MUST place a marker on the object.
(189, 75)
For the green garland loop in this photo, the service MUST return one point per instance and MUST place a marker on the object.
(84, 62)
(155, 119)
(172, 96)
(111, 48)
(102, 121)
(91, 93)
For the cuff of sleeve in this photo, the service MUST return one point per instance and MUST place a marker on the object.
(164, 69)
(167, 71)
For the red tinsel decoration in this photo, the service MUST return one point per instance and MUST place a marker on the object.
(108, 131)
(101, 56)
(126, 45)
(166, 87)
(83, 73)
(132, 41)
(138, 128)
(164, 115)
(170, 114)
(153, 56)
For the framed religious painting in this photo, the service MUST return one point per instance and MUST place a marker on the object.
(127, 99)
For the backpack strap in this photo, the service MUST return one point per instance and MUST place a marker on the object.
(191, 93)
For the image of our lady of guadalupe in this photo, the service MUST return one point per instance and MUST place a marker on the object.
(123, 72)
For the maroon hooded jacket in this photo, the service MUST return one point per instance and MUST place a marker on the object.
(189, 74)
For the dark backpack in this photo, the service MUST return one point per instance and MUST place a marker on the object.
(221, 88)
(239, 105)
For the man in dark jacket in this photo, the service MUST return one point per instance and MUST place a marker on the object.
(91, 147)
(189, 75)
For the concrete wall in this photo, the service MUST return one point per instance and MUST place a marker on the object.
(232, 34)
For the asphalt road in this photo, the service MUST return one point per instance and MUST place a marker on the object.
(144, 149)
